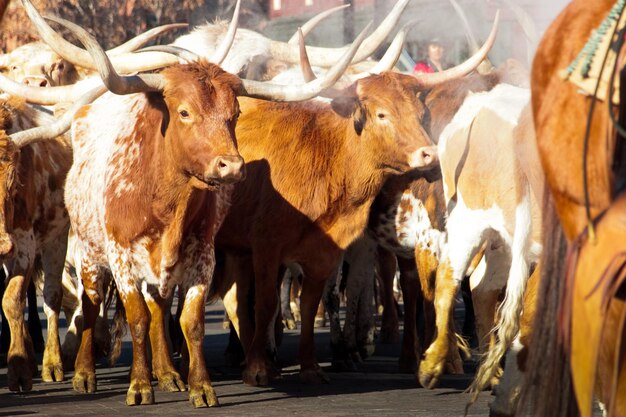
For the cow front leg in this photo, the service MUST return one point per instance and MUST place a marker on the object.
(21, 356)
(140, 390)
(310, 371)
(201, 392)
(162, 366)
(432, 366)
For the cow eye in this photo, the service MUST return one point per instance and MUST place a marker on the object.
(184, 114)
(381, 116)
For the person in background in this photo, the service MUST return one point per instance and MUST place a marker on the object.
(434, 61)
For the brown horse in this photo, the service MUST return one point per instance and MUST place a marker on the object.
(578, 347)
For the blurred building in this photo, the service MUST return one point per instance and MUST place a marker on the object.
(436, 18)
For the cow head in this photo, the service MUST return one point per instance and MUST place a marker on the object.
(37, 65)
(386, 115)
(9, 155)
(202, 105)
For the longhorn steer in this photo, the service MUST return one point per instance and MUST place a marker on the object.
(34, 223)
(489, 199)
(314, 171)
(144, 201)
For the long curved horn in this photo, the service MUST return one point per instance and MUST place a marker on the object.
(310, 24)
(126, 63)
(326, 57)
(433, 79)
(386, 63)
(222, 50)
(392, 54)
(48, 95)
(143, 38)
(305, 65)
(114, 82)
(60, 126)
(528, 26)
(306, 91)
(485, 66)
(469, 34)
(182, 53)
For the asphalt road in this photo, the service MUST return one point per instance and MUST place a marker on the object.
(376, 389)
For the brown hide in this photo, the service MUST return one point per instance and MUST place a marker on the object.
(560, 114)
(552, 96)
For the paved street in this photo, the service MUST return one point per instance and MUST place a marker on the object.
(377, 389)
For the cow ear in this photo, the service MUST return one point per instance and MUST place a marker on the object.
(359, 120)
(346, 103)
(344, 106)
(158, 102)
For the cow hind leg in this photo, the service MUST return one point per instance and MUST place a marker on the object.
(53, 260)
(310, 371)
(34, 322)
(21, 355)
(259, 369)
(201, 392)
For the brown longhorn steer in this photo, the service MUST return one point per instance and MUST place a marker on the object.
(34, 223)
(315, 170)
(33, 228)
(146, 194)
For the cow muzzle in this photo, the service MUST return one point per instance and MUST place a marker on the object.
(35, 81)
(424, 158)
(226, 169)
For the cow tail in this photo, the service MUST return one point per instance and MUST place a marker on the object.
(510, 310)
(547, 390)
(118, 328)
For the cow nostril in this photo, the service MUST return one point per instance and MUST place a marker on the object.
(43, 83)
(221, 165)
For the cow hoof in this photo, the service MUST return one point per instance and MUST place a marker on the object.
(319, 322)
(171, 382)
(20, 373)
(255, 378)
(51, 372)
(84, 382)
(140, 393)
(290, 324)
(203, 396)
(314, 376)
(428, 380)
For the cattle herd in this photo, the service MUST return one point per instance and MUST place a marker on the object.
(228, 164)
